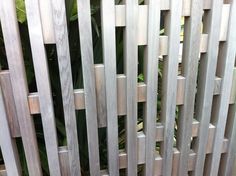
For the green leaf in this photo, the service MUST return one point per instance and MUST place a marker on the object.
(20, 11)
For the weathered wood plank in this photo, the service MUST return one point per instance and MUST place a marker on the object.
(164, 5)
(18, 79)
(7, 144)
(86, 45)
(63, 53)
(131, 71)
(101, 94)
(205, 86)
(169, 84)
(64, 161)
(150, 79)
(63, 152)
(43, 85)
(143, 24)
(226, 61)
(5, 82)
(224, 22)
(191, 49)
(3, 171)
(47, 21)
(233, 89)
(109, 57)
(228, 159)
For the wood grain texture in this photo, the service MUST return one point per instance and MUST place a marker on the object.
(101, 94)
(224, 22)
(64, 161)
(86, 45)
(150, 79)
(43, 85)
(18, 79)
(227, 160)
(3, 171)
(169, 85)
(5, 82)
(233, 89)
(33, 98)
(158, 159)
(205, 86)
(191, 49)
(62, 45)
(7, 143)
(131, 71)
(226, 61)
(109, 57)
(46, 21)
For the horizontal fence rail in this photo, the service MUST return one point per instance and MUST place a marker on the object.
(171, 93)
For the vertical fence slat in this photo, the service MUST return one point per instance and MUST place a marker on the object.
(172, 29)
(206, 84)
(43, 85)
(131, 62)
(47, 22)
(228, 160)
(85, 31)
(7, 143)
(109, 55)
(62, 44)
(226, 60)
(192, 35)
(150, 77)
(18, 79)
(5, 82)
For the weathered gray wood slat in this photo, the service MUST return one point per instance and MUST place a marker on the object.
(192, 36)
(100, 94)
(225, 68)
(150, 78)
(43, 85)
(5, 82)
(85, 32)
(18, 79)
(62, 44)
(169, 84)
(131, 64)
(64, 161)
(7, 143)
(47, 22)
(109, 56)
(228, 159)
(206, 81)
(233, 89)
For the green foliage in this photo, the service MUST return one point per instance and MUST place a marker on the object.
(20, 11)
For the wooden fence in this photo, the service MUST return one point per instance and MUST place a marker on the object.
(206, 125)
